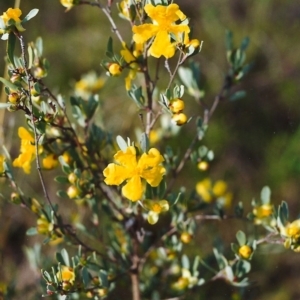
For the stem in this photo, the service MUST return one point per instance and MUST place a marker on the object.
(36, 138)
(172, 75)
(135, 286)
(207, 116)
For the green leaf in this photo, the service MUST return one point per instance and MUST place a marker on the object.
(283, 212)
(185, 262)
(11, 48)
(241, 238)
(121, 143)
(241, 268)
(30, 15)
(39, 46)
(103, 278)
(61, 179)
(265, 195)
(46, 275)
(9, 84)
(144, 142)
(202, 151)
(65, 256)
(210, 155)
(30, 56)
(239, 210)
(85, 276)
(109, 48)
(237, 95)
(228, 40)
(4, 105)
(245, 43)
(62, 194)
(31, 231)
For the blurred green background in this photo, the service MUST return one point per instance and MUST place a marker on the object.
(256, 140)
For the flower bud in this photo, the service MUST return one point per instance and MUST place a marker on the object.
(14, 98)
(73, 192)
(203, 165)
(179, 119)
(186, 237)
(115, 69)
(72, 178)
(15, 198)
(245, 251)
(176, 106)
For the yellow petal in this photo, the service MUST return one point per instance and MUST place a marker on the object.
(127, 158)
(115, 174)
(164, 205)
(162, 46)
(143, 33)
(152, 217)
(24, 134)
(133, 190)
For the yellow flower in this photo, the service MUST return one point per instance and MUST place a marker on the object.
(131, 169)
(263, 211)
(88, 85)
(245, 251)
(12, 14)
(43, 225)
(66, 274)
(219, 188)
(155, 208)
(164, 18)
(185, 281)
(2, 158)
(27, 154)
(203, 188)
(292, 230)
(68, 3)
(50, 161)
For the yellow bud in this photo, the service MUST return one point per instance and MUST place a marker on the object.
(72, 178)
(186, 237)
(13, 98)
(73, 192)
(179, 119)
(245, 251)
(176, 106)
(115, 69)
(50, 162)
(15, 78)
(15, 198)
(203, 165)
(67, 158)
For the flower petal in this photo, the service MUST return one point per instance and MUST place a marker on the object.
(115, 174)
(152, 217)
(127, 158)
(164, 204)
(149, 167)
(133, 190)
(143, 33)
(162, 46)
